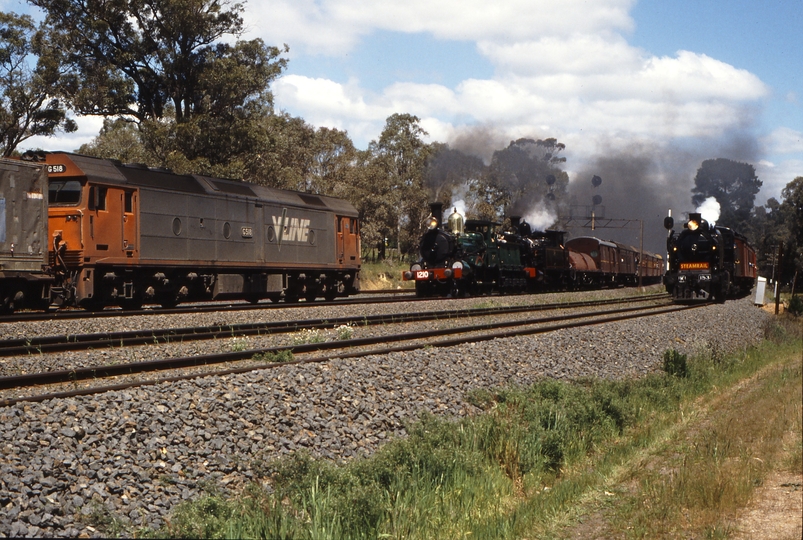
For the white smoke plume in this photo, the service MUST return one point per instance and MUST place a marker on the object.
(540, 218)
(709, 210)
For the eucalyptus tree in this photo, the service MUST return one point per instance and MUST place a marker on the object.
(177, 67)
(29, 73)
(525, 174)
(400, 157)
(733, 184)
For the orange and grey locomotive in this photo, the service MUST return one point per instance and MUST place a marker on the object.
(126, 235)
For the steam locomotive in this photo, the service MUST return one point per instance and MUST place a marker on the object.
(89, 232)
(708, 262)
(480, 257)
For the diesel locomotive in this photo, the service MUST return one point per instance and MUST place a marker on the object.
(479, 257)
(708, 262)
(89, 232)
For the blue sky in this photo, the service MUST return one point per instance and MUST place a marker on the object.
(671, 82)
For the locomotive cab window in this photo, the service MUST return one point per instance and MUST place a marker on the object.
(128, 204)
(97, 198)
(353, 226)
(64, 192)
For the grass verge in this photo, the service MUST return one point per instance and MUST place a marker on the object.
(672, 454)
(384, 275)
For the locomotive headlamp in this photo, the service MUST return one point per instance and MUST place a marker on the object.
(432, 223)
(693, 225)
(457, 265)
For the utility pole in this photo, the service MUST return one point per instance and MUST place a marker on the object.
(777, 288)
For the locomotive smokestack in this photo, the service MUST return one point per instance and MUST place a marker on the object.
(436, 209)
(514, 221)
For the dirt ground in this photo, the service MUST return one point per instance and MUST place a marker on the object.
(776, 510)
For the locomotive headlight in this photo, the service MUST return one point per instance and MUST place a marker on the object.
(432, 223)
(415, 268)
(457, 265)
(681, 279)
(693, 225)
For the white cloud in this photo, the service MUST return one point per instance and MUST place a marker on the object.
(775, 177)
(783, 141)
(88, 129)
(334, 26)
(561, 64)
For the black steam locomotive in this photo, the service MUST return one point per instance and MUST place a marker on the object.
(708, 262)
(480, 257)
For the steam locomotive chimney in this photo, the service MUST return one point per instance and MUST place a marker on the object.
(436, 209)
(514, 222)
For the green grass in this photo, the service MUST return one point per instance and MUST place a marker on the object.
(528, 466)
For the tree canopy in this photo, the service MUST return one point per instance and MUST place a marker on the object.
(29, 73)
(733, 184)
(177, 67)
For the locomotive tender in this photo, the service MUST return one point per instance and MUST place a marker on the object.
(478, 257)
(127, 234)
(708, 262)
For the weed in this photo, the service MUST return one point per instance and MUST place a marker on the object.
(100, 517)
(308, 335)
(238, 344)
(675, 364)
(344, 332)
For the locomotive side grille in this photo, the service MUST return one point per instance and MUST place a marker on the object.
(72, 258)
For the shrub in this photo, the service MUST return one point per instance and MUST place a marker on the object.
(675, 364)
(795, 305)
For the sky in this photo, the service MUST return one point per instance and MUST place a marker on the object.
(640, 91)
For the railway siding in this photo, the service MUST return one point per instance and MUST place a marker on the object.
(132, 455)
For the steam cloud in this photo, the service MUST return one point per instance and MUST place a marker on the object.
(709, 210)
(640, 183)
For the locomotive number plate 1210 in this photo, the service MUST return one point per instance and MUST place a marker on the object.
(422, 274)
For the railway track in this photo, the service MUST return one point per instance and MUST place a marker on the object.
(83, 381)
(376, 297)
(62, 343)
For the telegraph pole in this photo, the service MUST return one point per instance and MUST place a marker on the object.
(777, 288)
